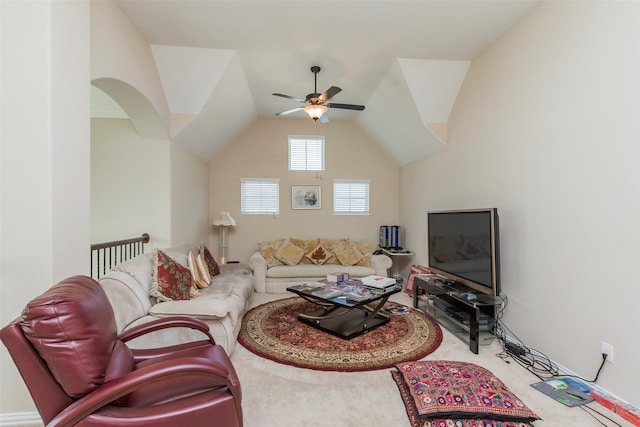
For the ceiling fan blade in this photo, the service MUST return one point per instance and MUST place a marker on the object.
(290, 97)
(329, 93)
(293, 110)
(345, 106)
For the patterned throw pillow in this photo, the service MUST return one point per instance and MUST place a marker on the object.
(453, 389)
(366, 249)
(348, 254)
(268, 250)
(445, 422)
(331, 245)
(289, 254)
(196, 272)
(318, 255)
(306, 245)
(203, 268)
(214, 268)
(171, 281)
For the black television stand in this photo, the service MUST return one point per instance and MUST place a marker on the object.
(470, 318)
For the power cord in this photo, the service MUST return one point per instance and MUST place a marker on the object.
(533, 360)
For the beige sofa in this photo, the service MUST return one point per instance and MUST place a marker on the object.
(280, 263)
(221, 305)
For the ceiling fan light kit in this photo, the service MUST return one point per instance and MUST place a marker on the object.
(315, 111)
(317, 104)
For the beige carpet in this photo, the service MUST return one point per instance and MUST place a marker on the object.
(276, 395)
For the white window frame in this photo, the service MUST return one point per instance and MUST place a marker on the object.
(351, 196)
(260, 196)
(306, 153)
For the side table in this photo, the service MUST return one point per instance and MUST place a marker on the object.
(393, 253)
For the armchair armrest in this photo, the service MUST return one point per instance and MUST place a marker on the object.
(258, 265)
(165, 323)
(113, 390)
(381, 263)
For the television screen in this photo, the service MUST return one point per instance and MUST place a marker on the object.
(463, 246)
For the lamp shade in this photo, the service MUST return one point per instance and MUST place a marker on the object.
(224, 219)
(315, 111)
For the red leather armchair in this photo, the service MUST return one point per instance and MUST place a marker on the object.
(80, 372)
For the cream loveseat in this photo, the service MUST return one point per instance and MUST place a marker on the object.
(280, 263)
(221, 305)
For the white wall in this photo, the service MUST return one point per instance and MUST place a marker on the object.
(261, 152)
(189, 189)
(130, 184)
(44, 175)
(120, 52)
(547, 129)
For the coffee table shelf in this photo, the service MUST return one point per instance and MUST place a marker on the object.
(342, 317)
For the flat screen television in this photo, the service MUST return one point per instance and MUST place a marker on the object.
(464, 247)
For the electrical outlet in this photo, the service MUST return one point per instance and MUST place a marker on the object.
(606, 348)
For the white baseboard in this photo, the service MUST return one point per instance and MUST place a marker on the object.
(21, 419)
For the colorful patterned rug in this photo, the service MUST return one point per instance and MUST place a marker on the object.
(273, 331)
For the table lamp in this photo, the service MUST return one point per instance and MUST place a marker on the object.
(223, 221)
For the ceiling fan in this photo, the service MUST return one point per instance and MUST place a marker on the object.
(317, 103)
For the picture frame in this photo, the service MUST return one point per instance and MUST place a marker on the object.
(306, 197)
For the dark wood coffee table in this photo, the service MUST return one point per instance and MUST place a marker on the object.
(341, 316)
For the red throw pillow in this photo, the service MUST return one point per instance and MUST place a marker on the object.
(171, 281)
(214, 268)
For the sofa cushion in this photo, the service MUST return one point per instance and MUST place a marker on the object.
(348, 254)
(203, 308)
(214, 268)
(289, 254)
(268, 249)
(171, 281)
(318, 255)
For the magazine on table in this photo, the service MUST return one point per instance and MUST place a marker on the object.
(359, 294)
(328, 292)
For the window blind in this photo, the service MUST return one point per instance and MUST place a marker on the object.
(306, 153)
(350, 197)
(260, 195)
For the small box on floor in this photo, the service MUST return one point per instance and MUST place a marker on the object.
(337, 277)
(624, 409)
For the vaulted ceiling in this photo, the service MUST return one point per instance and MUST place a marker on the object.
(220, 62)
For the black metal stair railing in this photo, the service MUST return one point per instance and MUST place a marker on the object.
(104, 256)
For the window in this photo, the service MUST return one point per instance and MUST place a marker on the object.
(351, 197)
(260, 195)
(306, 153)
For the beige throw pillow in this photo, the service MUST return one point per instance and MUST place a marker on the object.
(331, 244)
(366, 249)
(196, 273)
(348, 254)
(289, 254)
(204, 269)
(306, 245)
(268, 250)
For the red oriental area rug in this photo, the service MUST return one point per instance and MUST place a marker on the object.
(273, 331)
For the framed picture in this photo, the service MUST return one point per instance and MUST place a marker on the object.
(305, 197)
